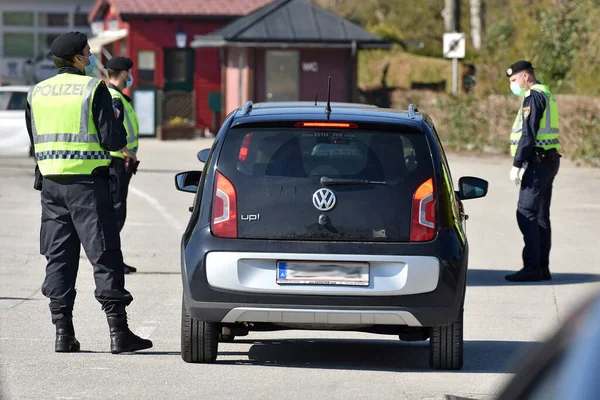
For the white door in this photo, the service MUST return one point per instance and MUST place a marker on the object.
(282, 75)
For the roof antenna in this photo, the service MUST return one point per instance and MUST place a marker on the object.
(316, 96)
(328, 108)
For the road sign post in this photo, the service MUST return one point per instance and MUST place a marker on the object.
(454, 48)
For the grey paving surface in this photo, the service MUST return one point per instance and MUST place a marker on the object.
(501, 321)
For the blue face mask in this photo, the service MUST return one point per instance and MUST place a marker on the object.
(516, 89)
(129, 82)
(90, 69)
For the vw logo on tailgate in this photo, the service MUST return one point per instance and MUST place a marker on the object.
(324, 199)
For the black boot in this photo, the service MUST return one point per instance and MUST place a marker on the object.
(526, 275)
(65, 341)
(122, 340)
(546, 274)
(129, 269)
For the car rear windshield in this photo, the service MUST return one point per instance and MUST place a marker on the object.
(368, 179)
(309, 153)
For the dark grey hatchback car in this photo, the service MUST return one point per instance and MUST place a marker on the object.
(342, 217)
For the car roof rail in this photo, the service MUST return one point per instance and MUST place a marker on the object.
(247, 108)
(412, 109)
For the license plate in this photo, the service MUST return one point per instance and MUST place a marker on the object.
(322, 273)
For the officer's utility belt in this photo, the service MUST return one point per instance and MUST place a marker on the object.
(541, 155)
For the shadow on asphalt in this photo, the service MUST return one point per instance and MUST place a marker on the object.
(20, 299)
(156, 273)
(167, 171)
(487, 277)
(375, 355)
(135, 353)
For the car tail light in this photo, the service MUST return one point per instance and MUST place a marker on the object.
(224, 208)
(422, 227)
(243, 155)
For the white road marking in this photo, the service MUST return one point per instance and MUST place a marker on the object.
(158, 207)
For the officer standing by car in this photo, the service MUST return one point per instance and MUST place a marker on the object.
(71, 123)
(124, 162)
(534, 144)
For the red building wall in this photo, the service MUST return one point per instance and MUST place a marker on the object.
(207, 79)
(331, 62)
(156, 34)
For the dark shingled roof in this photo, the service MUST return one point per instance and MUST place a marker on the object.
(292, 21)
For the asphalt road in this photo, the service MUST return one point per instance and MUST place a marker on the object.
(502, 320)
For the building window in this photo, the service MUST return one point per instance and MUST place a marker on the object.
(179, 65)
(113, 25)
(123, 47)
(53, 19)
(45, 41)
(18, 44)
(17, 18)
(146, 63)
(81, 19)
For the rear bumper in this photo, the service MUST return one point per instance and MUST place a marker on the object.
(234, 281)
(254, 272)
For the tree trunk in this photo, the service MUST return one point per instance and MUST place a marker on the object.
(451, 15)
(477, 22)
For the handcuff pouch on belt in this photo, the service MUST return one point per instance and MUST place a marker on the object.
(38, 179)
(114, 184)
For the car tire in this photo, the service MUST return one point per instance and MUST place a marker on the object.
(446, 345)
(199, 339)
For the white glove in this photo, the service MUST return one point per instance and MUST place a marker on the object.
(516, 174)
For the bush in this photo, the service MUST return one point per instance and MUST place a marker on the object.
(555, 47)
(387, 32)
(483, 124)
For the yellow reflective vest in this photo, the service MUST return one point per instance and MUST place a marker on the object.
(64, 134)
(547, 136)
(132, 125)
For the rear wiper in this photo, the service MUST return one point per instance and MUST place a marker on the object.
(325, 181)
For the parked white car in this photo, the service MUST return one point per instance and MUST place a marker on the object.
(14, 140)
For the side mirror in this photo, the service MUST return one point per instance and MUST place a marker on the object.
(188, 181)
(472, 188)
(203, 155)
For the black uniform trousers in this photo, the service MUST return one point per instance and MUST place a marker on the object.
(533, 211)
(123, 178)
(79, 211)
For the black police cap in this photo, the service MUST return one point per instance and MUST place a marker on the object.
(518, 67)
(119, 64)
(68, 44)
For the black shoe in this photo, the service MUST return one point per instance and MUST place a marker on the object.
(546, 274)
(122, 340)
(65, 341)
(526, 275)
(129, 269)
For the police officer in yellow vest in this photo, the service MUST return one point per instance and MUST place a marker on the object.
(534, 144)
(71, 124)
(124, 162)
